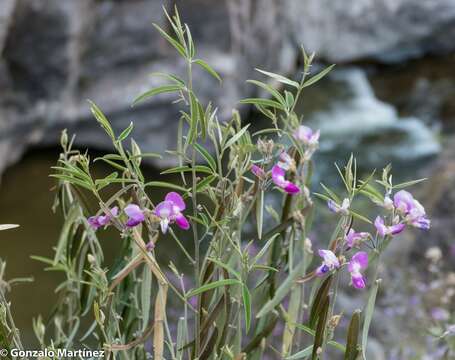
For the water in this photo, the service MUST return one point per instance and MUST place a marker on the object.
(355, 121)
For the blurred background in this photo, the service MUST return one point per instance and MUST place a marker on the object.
(389, 99)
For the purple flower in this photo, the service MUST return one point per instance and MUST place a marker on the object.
(384, 230)
(343, 208)
(358, 262)
(412, 210)
(170, 211)
(286, 162)
(329, 262)
(307, 136)
(278, 177)
(135, 215)
(102, 220)
(258, 172)
(354, 238)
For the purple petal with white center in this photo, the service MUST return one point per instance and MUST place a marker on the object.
(164, 209)
(176, 199)
(403, 201)
(380, 226)
(135, 215)
(329, 258)
(278, 176)
(182, 222)
(361, 258)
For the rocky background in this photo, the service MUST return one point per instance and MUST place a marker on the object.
(55, 54)
(395, 71)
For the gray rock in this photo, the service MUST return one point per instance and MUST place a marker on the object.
(389, 30)
(59, 53)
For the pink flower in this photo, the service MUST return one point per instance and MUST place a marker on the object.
(170, 211)
(384, 230)
(412, 210)
(135, 215)
(358, 262)
(258, 172)
(354, 238)
(307, 136)
(329, 262)
(102, 220)
(278, 177)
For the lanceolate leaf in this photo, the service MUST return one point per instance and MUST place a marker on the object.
(280, 78)
(353, 335)
(213, 285)
(159, 90)
(369, 310)
(208, 68)
(318, 77)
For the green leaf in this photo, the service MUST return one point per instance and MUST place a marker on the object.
(247, 306)
(352, 339)
(301, 354)
(182, 169)
(156, 91)
(321, 326)
(260, 212)
(280, 78)
(213, 285)
(171, 77)
(318, 301)
(208, 68)
(263, 102)
(283, 289)
(408, 183)
(171, 41)
(318, 76)
(369, 310)
(125, 133)
(275, 93)
(225, 266)
(163, 184)
(146, 296)
(102, 120)
(206, 155)
(235, 138)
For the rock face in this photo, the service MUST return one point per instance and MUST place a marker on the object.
(58, 53)
(388, 30)
(55, 54)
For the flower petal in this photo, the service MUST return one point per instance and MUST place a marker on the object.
(361, 258)
(380, 226)
(403, 201)
(396, 229)
(257, 171)
(93, 221)
(164, 209)
(135, 214)
(278, 176)
(182, 222)
(291, 188)
(358, 281)
(176, 199)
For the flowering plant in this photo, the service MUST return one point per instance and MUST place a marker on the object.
(242, 303)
